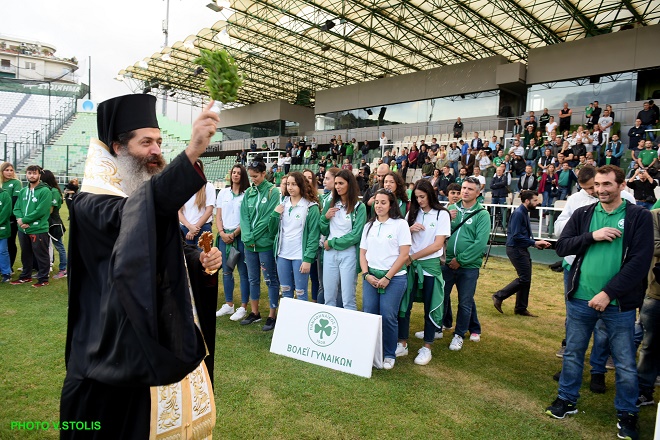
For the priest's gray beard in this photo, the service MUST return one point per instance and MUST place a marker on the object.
(134, 171)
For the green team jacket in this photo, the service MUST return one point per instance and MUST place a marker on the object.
(311, 232)
(358, 219)
(469, 242)
(33, 207)
(5, 213)
(256, 207)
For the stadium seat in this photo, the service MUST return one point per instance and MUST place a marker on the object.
(488, 134)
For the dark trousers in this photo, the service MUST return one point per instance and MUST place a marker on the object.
(35, 246)
(520, 286)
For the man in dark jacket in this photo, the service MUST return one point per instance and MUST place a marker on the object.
(528, 180)
(445, 179)
(636, 133)
(612, 245)
(518, 238)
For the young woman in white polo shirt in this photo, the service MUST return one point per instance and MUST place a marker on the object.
(228, 218)
(342, 222)
(295, 225)
(430, 225)
(195, 215)
(384, 251)
(324, 201)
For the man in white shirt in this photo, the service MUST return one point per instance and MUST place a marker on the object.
(382, 142)
(606, 122)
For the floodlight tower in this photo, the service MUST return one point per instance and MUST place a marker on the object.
(166, 24)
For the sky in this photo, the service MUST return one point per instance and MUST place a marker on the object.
(115, 34)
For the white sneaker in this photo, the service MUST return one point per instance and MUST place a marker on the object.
(424, 356)
(388, 363)
(420, 335)
(401, 350)
(475, 337)
(239, 314)
(226, 309)
(456, 343)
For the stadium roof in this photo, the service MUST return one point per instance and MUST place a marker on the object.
(287, 49)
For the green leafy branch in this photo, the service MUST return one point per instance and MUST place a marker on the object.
(224, 79)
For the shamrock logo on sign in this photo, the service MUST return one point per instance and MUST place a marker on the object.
(322, 328)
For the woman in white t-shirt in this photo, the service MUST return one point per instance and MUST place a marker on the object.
(314, 270)
(295, 225)
(195, 215)
(430, 225)
(228, 218)
(384, 250)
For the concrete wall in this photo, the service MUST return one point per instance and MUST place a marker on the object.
(269, 111)
(468, 77)
(604, 54)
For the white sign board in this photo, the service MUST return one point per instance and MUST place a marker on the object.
(332, 337)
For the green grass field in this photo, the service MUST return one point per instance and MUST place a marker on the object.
(495, 389)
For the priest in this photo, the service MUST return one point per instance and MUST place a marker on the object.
(132, 322)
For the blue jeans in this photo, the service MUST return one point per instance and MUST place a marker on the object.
(649, 355)
(57, 244)
(5, 263)
(563, 192)
(650, 133)
(205, 228)
(454, 165)
(228, 277)
(256, 263)
(466, 283)
(580, 323)
(429, 328)
(547, 199)
(386, 305)
(288, 272)
(339, 273)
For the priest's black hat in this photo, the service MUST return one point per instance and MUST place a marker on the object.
(123, 114)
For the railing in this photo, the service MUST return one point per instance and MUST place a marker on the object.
(65, 161)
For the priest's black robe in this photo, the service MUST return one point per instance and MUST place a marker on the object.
(130, 323)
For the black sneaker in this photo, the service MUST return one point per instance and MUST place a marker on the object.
(270, 324)
(560, 408)
(627, 426)
(597, 384)
(251, 318)
(645, 398)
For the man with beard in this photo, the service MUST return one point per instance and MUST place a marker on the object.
(31, 211)
(132, 322)
(518, 238)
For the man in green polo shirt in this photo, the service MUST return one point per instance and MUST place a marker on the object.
(612, 247)
(647, 157)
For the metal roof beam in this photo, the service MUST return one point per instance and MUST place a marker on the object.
(638, 18)
(318, 57)
(343, 37)
(589, 26)
(447, 27)
(409, 29)
(531, 23)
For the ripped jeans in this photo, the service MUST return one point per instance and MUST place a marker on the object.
(258, 262)
(291, 280)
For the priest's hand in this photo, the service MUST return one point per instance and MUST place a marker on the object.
(204, 128)
(212, 260)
